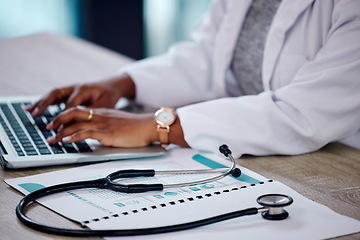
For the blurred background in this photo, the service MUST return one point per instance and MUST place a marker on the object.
(136, 28)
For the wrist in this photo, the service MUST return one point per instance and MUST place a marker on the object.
(164, 118)
(176, 135)
(168, 128)
(124, 85)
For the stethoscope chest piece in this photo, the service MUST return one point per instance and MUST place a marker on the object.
(275, 203)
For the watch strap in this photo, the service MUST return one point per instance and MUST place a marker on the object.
(163, 135)
(163, 128)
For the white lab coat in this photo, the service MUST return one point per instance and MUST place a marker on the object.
(311, 80)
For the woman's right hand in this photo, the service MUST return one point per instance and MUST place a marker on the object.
(93, 95)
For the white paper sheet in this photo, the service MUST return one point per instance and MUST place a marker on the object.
(103, 209)
(89, 204)
(307, 219)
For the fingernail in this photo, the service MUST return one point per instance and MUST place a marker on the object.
(35, 112)
(50, 139)
(49, 126)
(67, 139)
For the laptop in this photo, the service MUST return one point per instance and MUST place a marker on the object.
(23, 140)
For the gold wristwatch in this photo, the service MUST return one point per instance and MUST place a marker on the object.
(164, 117)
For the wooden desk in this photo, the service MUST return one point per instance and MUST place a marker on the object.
(330, 176)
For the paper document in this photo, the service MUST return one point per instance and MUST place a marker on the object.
(106, 209)
(88, 204)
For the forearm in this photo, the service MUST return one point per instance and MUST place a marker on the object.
(126, 88)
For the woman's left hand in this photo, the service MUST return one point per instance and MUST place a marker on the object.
(110, 127)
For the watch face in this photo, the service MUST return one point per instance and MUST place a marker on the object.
(166, 117)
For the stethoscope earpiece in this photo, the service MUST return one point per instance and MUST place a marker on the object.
(236, 172)
(224, 149)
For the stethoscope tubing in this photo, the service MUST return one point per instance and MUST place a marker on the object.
(108, 183)
(113, 232)
(225, 172)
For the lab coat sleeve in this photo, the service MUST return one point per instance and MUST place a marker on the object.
(320, 104)
(182, 75)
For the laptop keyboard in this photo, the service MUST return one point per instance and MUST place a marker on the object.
(28, 134)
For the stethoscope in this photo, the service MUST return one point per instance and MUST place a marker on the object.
(272, 204)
